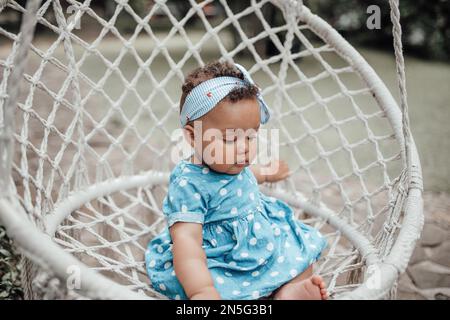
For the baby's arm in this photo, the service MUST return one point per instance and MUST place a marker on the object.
(189, 260)
(275, 171)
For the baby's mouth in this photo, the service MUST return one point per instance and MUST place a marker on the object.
(243, 164)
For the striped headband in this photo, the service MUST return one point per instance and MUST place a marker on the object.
(204, 97)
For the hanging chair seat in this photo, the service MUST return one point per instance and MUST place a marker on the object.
(125, 230)
(82, 216)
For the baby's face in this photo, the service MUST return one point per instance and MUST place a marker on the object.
(225, 137)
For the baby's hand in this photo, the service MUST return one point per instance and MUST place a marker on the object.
(275, 171)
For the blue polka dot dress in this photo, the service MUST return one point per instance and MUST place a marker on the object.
(253, 243)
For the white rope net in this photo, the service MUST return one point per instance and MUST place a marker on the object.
(101, 102)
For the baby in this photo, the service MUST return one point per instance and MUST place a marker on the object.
(225, 239)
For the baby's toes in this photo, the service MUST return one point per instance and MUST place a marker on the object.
(324, 294)
(317, 280)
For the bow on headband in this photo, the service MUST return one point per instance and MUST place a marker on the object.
(204, 97)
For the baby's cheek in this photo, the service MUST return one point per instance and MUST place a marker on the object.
(231, 152)
(200, 148)
(220, 150)
(210, 154)
(228, 151)
(214, 152)
(253, 149)
(225, 152)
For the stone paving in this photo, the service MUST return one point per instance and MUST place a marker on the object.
(428, 273)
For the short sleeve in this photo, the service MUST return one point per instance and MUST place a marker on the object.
(185, 201)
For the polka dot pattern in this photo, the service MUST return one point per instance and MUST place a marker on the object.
(220, 280)
(253, 242)
(183, 183)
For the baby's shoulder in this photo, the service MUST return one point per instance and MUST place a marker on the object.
(192, 174)
(207, 180)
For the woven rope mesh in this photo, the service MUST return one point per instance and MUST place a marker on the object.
(101, 101)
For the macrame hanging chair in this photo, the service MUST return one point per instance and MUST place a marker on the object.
(85, 154)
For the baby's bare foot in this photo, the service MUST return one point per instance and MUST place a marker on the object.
(312, 288)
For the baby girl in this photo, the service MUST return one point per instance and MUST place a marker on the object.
(225, 239)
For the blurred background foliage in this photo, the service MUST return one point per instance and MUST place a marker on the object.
(9, 269)
(426, 24)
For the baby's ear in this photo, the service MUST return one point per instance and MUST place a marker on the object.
(188, 132)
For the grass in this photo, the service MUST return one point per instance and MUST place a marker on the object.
(9, 269)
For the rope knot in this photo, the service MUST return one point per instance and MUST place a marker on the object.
(3, 4)
(290, 7)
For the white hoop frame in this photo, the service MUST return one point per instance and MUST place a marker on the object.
(40, 248)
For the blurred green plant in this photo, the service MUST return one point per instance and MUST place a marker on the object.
(10, 286)
(425, 24)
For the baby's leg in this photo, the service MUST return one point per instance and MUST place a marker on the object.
(305, 286)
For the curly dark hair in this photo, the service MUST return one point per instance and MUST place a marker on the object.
(216, 69)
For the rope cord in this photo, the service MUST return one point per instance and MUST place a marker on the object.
(401, 79)
(109, 232)
(7, 128)
(3, 4)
